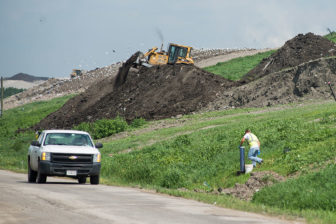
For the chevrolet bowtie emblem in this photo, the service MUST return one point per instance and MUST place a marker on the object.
(73, 157)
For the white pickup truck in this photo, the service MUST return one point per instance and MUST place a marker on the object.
(64, 153)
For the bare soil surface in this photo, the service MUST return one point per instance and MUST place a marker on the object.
(170, 90)
(60, 87)
(209, 61)
(151, 93)
(304, 82)
(21, 84)
(257, 181)
(296, 51)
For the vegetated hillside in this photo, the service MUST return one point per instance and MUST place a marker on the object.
(199, 154)
(300, 49)
(26, 77)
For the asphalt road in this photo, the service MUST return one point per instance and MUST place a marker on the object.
(65, 201)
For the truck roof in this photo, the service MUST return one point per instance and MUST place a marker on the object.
(65, 131)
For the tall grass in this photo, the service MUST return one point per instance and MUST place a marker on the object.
(315, 191)
(292, 141)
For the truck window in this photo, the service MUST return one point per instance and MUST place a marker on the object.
(67, 139)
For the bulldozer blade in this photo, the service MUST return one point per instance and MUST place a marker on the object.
(124, 69)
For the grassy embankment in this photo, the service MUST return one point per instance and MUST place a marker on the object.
(236, 68)
(201, 153)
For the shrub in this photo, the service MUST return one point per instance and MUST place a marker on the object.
(106, 127)
(103, 128)
(136, 123)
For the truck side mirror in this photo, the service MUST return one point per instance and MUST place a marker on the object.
(35, 143)
(99, 145)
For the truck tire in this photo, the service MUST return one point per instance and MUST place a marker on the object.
(31, 174)
(94, 179)
(82, 179)
(41, 178)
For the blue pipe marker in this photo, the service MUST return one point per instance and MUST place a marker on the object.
(242, 159)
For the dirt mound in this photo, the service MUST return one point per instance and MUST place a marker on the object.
(296, 51)
(165, 91)
(257, 181)
(305, 82)
(151, 93)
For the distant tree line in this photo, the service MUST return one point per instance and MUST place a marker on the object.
(11, 91)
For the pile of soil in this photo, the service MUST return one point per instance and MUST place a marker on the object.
(308, 81)
(296, 51)
(170, 90)
(256, 181)
(150, 93)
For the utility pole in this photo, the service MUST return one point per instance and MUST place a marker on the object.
(2, 96)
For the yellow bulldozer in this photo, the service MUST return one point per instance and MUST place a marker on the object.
(176, 54)
(75, 73)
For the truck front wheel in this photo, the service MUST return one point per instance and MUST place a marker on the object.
(94, 179)
(41, 178)
(31, 174)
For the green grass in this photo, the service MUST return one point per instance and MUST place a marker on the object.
(315, 191)
(211, 155)
(331, 36)
(238, 67)
(13, 144)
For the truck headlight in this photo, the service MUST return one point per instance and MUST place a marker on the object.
(97, 158)
(45, 156)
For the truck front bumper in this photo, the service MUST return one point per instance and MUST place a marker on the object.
(61, 169)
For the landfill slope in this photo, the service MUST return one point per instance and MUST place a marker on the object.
(151, 93)
(170, 90)
(308, 81)
(298, 50)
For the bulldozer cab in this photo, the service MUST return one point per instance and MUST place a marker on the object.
(179, 54)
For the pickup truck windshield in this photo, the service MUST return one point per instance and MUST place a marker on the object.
(67, 139)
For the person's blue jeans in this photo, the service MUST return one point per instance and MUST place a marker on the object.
(253, 156)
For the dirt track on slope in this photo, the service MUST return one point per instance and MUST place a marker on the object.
(226, 57)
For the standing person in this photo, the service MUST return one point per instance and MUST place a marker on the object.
(254, 146)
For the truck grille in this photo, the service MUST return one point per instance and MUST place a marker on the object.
(71, 158)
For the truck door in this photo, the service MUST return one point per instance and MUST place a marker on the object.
(35, 153)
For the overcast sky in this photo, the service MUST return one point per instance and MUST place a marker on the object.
(51, 37)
